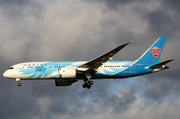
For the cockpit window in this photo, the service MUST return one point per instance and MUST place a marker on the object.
(10, 68)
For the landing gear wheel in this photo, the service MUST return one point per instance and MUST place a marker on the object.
(84, 86)
(19, 84)
(88, 86)
(91, 82)
(86, 82)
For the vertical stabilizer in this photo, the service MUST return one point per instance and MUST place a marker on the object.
(153, 54)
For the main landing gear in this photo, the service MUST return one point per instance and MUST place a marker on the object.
(18, 80)
(87, 84)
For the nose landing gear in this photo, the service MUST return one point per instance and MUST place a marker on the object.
(18, 80)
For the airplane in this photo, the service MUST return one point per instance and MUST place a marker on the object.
(65, 73)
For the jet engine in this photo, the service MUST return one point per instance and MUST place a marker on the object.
(67, 72)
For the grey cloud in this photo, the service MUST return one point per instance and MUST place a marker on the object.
(172, 4)
(160, 86)
(17, 10)
(21, 38)
(114, 4)
(164, 19)
(160, 22)
(157, 89)
(13, 8)
(9, 3)
(128, 97)
(63, 100)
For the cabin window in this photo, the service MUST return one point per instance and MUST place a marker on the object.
(10, 68)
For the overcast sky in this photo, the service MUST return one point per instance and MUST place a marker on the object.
(59, 30)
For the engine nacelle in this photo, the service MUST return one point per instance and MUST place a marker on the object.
(59, 82)
(67, 72)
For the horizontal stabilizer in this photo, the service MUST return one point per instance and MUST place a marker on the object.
(159, 65)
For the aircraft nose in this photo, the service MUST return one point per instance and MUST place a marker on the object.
(5, 74)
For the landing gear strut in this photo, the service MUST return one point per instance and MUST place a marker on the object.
(18, 80)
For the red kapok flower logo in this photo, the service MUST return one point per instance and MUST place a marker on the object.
(155, 51)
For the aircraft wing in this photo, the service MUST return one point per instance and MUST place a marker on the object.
(94, 64)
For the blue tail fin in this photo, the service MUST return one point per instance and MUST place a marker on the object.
(152, 55)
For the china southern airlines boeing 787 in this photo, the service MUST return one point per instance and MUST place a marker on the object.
(66, 73)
